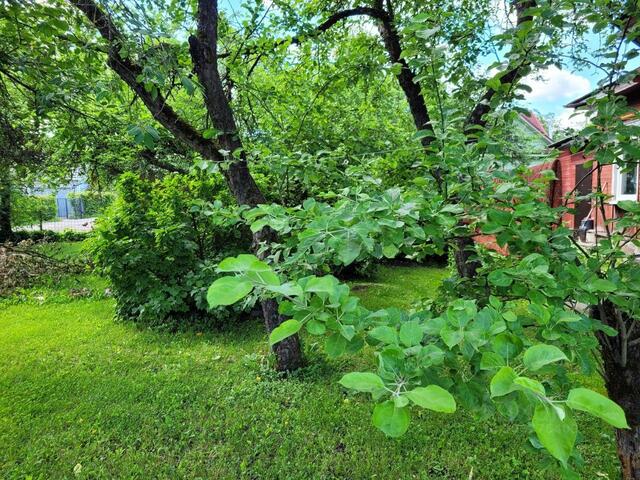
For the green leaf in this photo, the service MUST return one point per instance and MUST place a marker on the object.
(411, 333)
(227, 291)
(289, 289)
(349, 251)
(314, 327)
(502, 382)
(335, 345)
(600, 285)
(210, 133)
(540, 355)
(264, 278)
(385, 334)
(243, 263)
(188, 85)
(491, 360)
(434, 398)
(556, 435)
(390, 250)
(499, 278)
(597, 405)
(451, 337)
(526, 383)
(284, 330)
(326, 284)
(362, 381)
(393, 421)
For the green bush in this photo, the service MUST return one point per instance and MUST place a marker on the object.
(33, 210)
(49, 236)
(159, 243)
(94, 203)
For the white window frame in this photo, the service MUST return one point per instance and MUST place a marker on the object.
(618, 196)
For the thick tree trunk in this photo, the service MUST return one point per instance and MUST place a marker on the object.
(621, 364)
(629, 452)
(623, 387)
(6, 233)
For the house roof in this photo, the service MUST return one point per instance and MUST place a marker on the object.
(534, 123)
(562, 142)
(620, 89)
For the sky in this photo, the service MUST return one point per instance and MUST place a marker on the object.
(551, 89)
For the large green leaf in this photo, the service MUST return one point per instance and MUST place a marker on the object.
(556, 435)
(502, 382)
(411, 333)
(284, 330)
(540, 355)
(393, 421)
(529, 384)
(600, 285)
(288, 289)
(597, 405)
(385, 334)
(335, 345)
(491, 360)
(227, 291)
(434, 398)
(243, 263)
(326, 284)
(499, 278)
(349, 251)
(362, 381)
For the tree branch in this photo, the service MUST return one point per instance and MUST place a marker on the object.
(129, 72)
(514, 73)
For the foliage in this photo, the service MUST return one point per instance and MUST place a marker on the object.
(33, 210)
(50, 236)
(158, 245)
(93, 203)
(492, 355)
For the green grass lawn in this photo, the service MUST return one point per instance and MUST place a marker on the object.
(84, 396)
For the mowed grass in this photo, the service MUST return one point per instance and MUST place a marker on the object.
(84, 396)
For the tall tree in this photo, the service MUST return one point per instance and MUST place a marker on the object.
(225, 148)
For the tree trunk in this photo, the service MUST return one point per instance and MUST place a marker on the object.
(288, 352)
(629, 452)
(464, 250)
(6, 233)
(622, 378)
(203, 50)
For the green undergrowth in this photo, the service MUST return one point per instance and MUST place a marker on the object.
(86, 397)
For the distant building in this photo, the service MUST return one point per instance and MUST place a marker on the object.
(66, 207)
(574, 178)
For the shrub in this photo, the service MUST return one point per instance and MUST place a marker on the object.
(48, 236)
(159, 243)
(93, 203)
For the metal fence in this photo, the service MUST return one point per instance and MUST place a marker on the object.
(62, 224)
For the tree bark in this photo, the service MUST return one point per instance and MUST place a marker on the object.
(621, 365)
(629, 452)
(464, 250)
(6, 233)
(241, 184)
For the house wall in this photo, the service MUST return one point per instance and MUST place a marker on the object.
(564, 186)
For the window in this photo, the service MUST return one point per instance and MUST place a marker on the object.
(625, 184)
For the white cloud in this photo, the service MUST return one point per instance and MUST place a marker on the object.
(570, 119)
(556, 86)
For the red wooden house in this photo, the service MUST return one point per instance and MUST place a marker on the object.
(573, 179)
